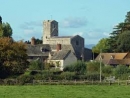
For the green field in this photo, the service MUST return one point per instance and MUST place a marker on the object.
(65, 91)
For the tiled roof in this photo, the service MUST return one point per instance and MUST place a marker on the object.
(113, 58)
(38, 50)
(108, 56)
(60, 55)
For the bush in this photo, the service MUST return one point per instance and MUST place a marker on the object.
(67, 75)
(93, 66)
(94, 76)
(36, 65)
(122, 72)
(23, 79)
(107, 70)
(78, 67)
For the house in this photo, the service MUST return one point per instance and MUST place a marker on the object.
(55, 48)
(60, 59)
(114, 58)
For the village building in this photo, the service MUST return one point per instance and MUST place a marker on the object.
(114, 59)
(59, 50)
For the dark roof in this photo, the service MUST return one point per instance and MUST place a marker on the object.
(60, 55)
(38, 50)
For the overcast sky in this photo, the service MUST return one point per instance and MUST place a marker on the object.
(91, 19)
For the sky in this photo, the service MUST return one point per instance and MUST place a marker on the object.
(91, 19)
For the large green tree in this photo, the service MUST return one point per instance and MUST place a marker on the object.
(118, 30)
(123, 42)
(13, 57)
(5, 29)
(1, 31)
(102, 46)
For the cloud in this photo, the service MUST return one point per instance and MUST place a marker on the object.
(30, 29)
(31, 24)
(92, 37)
(76, 22)
(78, 33)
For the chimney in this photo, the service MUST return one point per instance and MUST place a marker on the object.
(32, 41)
(58, 47)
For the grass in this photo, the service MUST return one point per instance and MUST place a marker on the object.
(65, 91)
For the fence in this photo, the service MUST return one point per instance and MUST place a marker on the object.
(63, 82)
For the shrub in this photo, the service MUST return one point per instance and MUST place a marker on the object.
(107, 70)
(122, 71)
(36, 65)
(67, 75)
(94, 76)
(93, 66)
(25, 79)
(78, 67)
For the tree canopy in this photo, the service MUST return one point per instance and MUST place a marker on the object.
(116, 35)
(5, 29)
(118, 40)
(13, 57)
(102, 46)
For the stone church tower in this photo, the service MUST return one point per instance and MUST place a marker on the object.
(50, 29)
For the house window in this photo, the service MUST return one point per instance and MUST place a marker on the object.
(77, 42)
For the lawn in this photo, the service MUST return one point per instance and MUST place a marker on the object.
(65, 91)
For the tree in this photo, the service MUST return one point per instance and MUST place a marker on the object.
(1, 31)
(7, 30)
(13, 57)
(118, 30)
(123, 42)
(37, 41)
(101, 46)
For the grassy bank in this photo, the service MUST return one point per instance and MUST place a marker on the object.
(65, 91)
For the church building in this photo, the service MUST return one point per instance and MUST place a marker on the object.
(62, 49)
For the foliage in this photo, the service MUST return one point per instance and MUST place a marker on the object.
(119, 30)
(93, 67)
(22, 79)
(36, 65)
(101, 46)
(107, 70)
(67, 75)
(94, 76)
(37, 41)
(13, 57)
(78, 67)
(123, 42)
(7, 30)
(121, 70)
